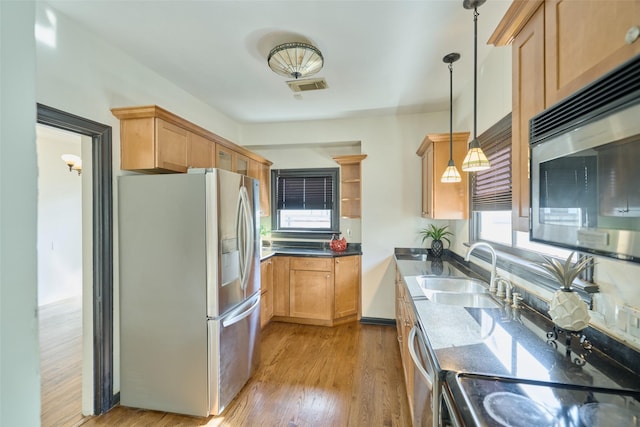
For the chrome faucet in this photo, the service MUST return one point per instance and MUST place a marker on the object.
(494, 261)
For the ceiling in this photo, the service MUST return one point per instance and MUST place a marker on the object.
(381, 56)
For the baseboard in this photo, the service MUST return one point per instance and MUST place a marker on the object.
(378, 321)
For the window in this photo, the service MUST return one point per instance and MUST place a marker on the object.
(491, 195)
(305, 201)
(491, 189)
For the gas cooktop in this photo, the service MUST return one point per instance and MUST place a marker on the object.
(499, 401)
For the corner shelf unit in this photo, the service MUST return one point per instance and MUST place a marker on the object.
(350, 185)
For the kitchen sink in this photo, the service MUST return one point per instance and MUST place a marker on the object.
(474, 300)
(452, 284)
(411, 256)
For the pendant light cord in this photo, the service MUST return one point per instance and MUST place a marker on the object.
(475, 73)
(450, 112)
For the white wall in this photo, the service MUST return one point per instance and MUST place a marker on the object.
(19, 362)
(391, 181)
(59, 218)
(80, 74)
(391, 192)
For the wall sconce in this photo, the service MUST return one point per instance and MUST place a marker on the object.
(74, 162)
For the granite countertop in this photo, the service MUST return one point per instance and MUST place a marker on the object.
(504, 341)
(318, 251)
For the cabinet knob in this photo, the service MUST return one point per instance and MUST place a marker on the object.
(632, 34)
(337, 261)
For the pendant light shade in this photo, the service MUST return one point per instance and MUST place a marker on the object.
(451, 174)
(295, 60)
(475, 160)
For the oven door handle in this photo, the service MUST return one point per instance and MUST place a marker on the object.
(414, 356)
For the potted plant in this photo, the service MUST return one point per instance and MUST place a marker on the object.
(437, 235)
(567, 310)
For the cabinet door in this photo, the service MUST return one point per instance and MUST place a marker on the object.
(241, 164)
(266, 285)
(584, 40)
(528, 100)
(347, 286)
(137, 144)
(311, 294)
(280, 286)
(201, 152)
(224, 158)
(265, 189)
(171, 146)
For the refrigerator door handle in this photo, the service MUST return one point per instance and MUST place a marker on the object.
(235, 318)
(245, 230)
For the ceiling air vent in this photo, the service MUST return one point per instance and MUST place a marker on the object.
(307, 84)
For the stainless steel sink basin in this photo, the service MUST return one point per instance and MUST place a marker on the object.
(409, 256)
(475, 300)
(452, 284)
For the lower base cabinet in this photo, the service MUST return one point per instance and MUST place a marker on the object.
(266, 288)
(316, 290)
(404, 322)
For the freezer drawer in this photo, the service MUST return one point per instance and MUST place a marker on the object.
(234, 349)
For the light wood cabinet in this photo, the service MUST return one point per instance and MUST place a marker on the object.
(224, 158)
(153, 144)
(440, 200)
(559, 46)
(350, 185)
(154, 140)
(200, 152)
(528, 80)
(266, 289)
(280, 286)
(405, 319)
(584, 40)
(262, 172)
(317, 290)
(347, 286)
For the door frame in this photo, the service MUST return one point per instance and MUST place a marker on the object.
(102, 204)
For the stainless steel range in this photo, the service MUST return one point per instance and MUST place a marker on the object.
(496, 401)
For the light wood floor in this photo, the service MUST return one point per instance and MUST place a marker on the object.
(349, 375)
(61, 363)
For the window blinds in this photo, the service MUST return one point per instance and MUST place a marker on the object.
(304, 192)
(491, 189)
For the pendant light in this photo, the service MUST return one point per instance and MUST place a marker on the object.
(451, 174)
(475, 160)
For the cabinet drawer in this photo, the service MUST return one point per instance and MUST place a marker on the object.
(311, 264)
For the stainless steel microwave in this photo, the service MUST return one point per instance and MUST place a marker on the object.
(585, 168)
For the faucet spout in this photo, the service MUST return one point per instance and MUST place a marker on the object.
(494, 261)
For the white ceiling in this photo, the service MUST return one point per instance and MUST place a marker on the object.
(381, 56)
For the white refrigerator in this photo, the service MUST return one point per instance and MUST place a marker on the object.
(189, 289)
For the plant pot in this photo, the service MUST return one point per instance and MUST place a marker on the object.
(568, 311)
(436, 248)
(437, 267)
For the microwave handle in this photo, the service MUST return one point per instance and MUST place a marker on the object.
(416, 361)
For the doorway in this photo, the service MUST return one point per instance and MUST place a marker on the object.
(101, 278)
(61, 219)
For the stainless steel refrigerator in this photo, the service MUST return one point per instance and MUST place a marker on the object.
(189, 289)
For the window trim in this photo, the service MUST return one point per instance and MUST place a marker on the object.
(306, 233)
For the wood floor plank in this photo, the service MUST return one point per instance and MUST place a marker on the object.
(310, 376)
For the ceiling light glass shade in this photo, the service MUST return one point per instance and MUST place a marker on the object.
(295, 60)
(70, 160)
(451, 174)
(77, 166)
(475, 160)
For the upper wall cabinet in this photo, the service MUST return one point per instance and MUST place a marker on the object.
(350, 185)
(153, 140)
(559, 46)
(439, 200)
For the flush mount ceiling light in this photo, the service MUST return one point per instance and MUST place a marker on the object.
(475, 160)
(295, 60)
(451, 174)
